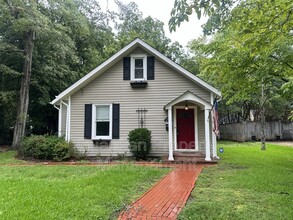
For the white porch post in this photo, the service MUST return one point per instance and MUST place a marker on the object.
(207, 134)
(170, 129)
(60, 121)
(68, 118)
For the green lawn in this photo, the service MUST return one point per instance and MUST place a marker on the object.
(70, 192)
(8, 157)
(246, 184)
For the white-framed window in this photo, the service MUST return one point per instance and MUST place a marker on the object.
(102, 122)
(138, 67)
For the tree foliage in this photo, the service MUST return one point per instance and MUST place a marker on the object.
(251, 46)
(69, 40)
(216, 10)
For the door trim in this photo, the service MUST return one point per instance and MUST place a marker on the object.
(195, 128)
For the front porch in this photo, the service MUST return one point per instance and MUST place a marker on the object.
(188, 157)
(190, 129)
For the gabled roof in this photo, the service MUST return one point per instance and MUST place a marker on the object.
(189, 96)
(119, 55)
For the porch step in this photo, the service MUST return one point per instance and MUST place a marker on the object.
(187, 157)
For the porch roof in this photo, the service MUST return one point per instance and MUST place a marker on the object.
(191, 97)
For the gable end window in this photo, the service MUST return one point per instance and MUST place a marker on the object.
(102, 122)
(138, 67)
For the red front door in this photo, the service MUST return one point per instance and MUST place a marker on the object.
(185, 129)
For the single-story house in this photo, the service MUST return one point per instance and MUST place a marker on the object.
(138, 87)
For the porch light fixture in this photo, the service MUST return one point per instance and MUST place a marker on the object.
(186, 106)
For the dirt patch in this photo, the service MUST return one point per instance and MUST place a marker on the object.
(283, 143)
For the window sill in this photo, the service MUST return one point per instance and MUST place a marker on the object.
(138, 84)
(101, 142)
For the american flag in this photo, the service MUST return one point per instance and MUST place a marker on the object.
(216, 118)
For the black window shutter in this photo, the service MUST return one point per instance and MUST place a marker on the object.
(88, 121)
(116, 121)
(126, 68)
(151, 68)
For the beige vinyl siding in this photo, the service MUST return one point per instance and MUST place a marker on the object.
(138, 50)
(110, 87)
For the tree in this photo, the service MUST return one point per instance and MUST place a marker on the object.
(251, 51)
(131, 24)
(22, 20)
(74, 44)
(46, 46)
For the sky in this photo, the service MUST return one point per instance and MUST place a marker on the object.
(161, 9)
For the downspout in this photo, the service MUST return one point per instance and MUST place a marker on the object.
(56, 107)
(64, 103)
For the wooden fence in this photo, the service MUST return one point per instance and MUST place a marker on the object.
(249, 131)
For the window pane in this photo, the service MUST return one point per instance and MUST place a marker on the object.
(138, 73)
(103, 112)
(138, 63)
(102, 128)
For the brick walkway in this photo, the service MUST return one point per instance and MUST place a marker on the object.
(166, 199)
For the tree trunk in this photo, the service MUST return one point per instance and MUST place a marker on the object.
(263, 121)
(19, 128)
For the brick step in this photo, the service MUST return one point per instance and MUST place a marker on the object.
(188, 157)
(190, 162)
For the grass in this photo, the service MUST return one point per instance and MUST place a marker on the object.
(246, 184)
(8, 157)
(70, 192)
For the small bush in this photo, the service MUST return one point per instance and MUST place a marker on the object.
(46, 148)
(140, 142)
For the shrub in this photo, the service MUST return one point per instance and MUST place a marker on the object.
(46, 148)
(140, 142)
